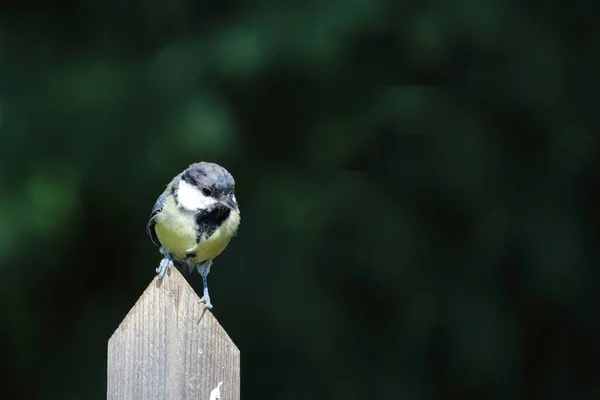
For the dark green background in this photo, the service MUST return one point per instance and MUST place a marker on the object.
(418, 184)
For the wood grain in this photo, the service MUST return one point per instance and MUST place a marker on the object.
(169, 347)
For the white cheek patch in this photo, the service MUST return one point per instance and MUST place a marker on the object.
(191, 197)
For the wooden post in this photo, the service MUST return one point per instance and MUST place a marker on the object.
(170, 347)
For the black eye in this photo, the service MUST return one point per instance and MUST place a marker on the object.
(206, 191)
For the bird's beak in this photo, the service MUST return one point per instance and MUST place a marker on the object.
(230, 203)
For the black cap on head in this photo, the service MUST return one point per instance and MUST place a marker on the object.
(211, 176)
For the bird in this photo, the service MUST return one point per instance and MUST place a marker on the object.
(194, 219)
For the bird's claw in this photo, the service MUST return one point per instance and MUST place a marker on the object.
(206, 300)
(165, 263)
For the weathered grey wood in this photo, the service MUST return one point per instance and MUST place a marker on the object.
(166, 348)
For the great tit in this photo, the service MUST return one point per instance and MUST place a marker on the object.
(194, 219)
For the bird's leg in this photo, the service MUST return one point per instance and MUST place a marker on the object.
(166, 262)
(204, 269)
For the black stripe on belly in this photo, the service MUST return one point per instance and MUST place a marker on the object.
(209, 221)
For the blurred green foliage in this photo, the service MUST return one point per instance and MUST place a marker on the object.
(418, 184)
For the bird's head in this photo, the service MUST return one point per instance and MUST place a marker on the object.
(206, 186)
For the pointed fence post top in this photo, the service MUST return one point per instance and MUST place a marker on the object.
(169, 347)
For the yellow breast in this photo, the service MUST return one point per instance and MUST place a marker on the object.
(177, 234)
(216, 243)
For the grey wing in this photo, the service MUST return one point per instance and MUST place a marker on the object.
(155, 210)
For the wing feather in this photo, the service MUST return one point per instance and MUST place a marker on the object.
(160, 202)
